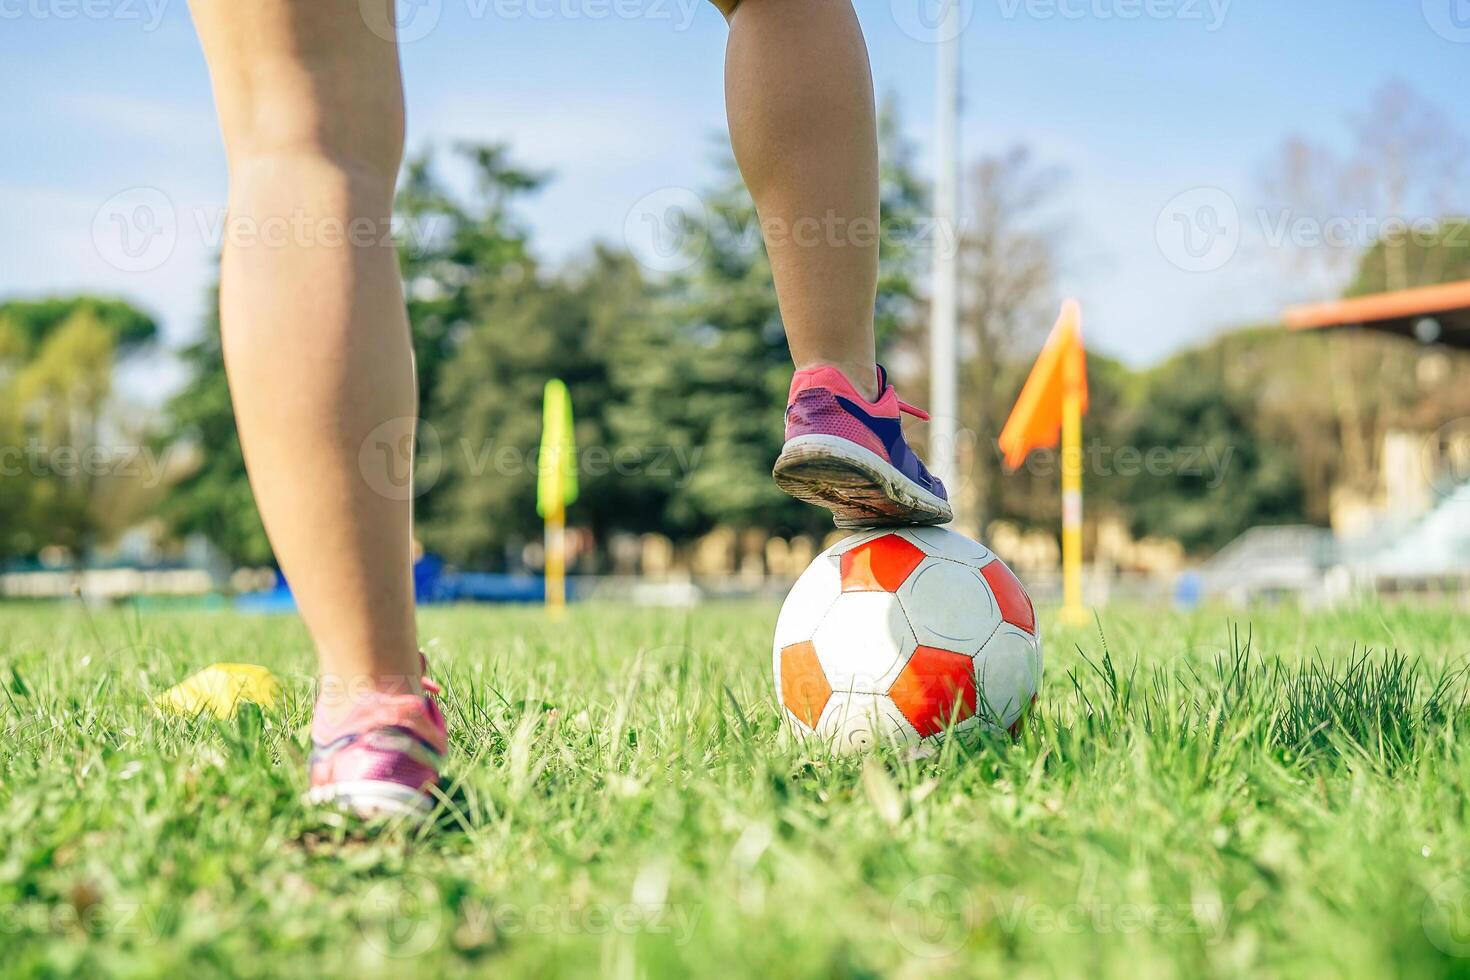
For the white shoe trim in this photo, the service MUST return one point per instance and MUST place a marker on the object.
(372, 798)
(849, 451)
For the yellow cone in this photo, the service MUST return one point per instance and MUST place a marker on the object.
(220, 689)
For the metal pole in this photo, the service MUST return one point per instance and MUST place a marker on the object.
(943, 326)
(1073, 611)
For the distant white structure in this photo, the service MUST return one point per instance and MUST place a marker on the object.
(1429, 553)
(1436, 544)
(1273, 562)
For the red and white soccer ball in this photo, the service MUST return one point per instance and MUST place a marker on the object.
(903, 636)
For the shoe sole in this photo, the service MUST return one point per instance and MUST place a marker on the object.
(857, 485)
(371, 799)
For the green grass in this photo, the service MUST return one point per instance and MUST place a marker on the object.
(1279, 793)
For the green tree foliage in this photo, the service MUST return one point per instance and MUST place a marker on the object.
(1214, 475)
(708, 375)
(30, 323)
(1216, 440)
(678, 382)
(909, 236)
(706, 380)
(57, 359)
(492, 328)
(1426, 256)
(486, 418)
(1303, 416)
(459, 254)
(214, 499)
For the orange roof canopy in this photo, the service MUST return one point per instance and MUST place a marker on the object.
(1402, 313)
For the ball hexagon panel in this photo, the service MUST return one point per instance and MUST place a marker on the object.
(1015, 604)
(810, 598)
(935, 690)
(804, 688)
(880, 565)
(858, 722)
(947, 544)
(949, 606)
(1009, 670)
(863, 642)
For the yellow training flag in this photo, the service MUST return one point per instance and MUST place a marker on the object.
(556, 484)
(219, 690)
(1036, 421)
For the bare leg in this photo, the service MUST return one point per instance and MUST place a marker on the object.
(316, 341)
(799, 91)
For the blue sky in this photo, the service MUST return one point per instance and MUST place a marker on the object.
(1146, 103)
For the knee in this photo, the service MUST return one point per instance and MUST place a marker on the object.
(361, 158)
(309, 124)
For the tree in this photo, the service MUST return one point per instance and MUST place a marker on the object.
(57, 360)
(458, 253)
(456, 256)
(1408, 163)
(29, 323)
(909, 236)
(1436, 253)
(707, 376)
(1373, 217)
(1009, 259)
(1217, 477)
(679, 382)
(214, 499)
(487, 414)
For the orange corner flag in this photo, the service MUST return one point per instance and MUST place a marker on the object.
(1036, 421)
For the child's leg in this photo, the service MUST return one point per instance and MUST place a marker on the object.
(800, 97)
(316, 341)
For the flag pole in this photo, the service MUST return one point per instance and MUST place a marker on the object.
(1049, 411)
(556, 561)
(943, 324)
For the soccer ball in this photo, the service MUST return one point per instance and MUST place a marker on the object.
(905, 636)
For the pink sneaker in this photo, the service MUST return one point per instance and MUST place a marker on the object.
(380, 758)
(849, 455)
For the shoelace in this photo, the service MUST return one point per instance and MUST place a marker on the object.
(429, 686)
(903, 406)
(917, 413)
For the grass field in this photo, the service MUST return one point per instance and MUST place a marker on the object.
(1279, 793)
